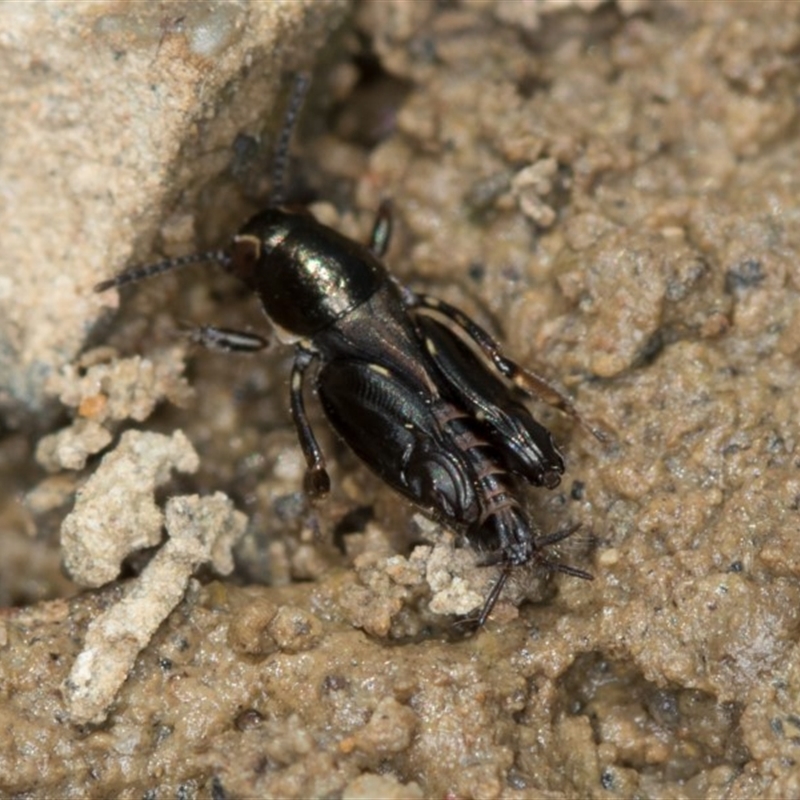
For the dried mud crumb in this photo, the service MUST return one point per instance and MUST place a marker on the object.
(115, 511)
(395, 594)
(530, 185)
(50, 494)
(368, 786)
(249, 630)
(123, 388)
(70, 447)
(103, 394)
(201, 530)
(389, 730)
(294, 630)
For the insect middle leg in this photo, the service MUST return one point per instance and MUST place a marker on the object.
(317, 481)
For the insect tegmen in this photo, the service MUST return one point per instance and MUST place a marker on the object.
(421, 393)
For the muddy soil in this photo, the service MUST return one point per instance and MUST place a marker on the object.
(612, 189)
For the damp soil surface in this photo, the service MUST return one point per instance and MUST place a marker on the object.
(611, 189)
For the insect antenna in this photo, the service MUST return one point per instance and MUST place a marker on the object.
(143, 271)
(277, 197)
(278, 193)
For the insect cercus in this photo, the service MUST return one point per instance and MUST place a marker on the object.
(421, 393)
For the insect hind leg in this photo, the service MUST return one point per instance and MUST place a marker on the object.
(526, 381)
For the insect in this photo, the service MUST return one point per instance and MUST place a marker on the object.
(421, 393)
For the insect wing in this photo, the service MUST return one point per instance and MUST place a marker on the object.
(528, 447)
(391, 427)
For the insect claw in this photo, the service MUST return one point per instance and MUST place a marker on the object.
(317, 483)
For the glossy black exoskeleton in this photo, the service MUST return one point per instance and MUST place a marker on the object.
(420, 392)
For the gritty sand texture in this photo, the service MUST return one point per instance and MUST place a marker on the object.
(611, 187)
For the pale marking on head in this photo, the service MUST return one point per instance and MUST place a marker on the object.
(249, 239)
